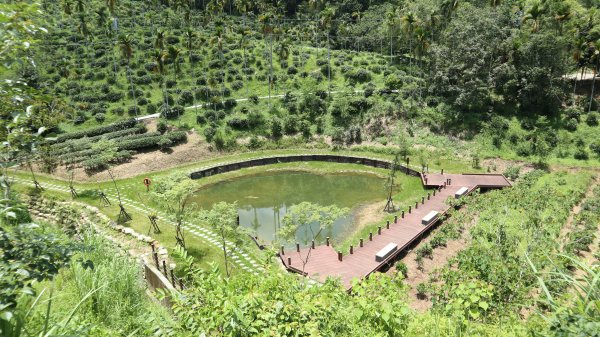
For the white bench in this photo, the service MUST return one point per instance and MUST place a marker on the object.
(429, 217)
(461, 192)
(386, 251)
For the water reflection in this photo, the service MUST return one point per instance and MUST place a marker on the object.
(264, 199)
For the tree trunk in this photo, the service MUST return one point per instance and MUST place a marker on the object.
(594, 83)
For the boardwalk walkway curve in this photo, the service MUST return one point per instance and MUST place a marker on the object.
(325, 261)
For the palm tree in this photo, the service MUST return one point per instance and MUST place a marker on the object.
(159, 57)
(243, 43)
(534, 14)
(126, 46)
(174, 53)
(111, 4)
(409, 22)
(596, 55)
(189, 36)
(390, 24)
(67, 7)
(159, 40)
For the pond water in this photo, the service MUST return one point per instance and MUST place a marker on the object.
(263, 199)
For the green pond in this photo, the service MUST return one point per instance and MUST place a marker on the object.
(263, 199)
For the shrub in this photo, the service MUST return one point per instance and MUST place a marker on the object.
(581, 154)
(571, 124)
(592, 119)
(100, 117)
(253, 99)
(133, 110)
(164, 143)
(209, 133)
(595, 147)
(512, 172)
(254, 142)
(161, 126)
(402, 268)
(276, 128)
(186, 98)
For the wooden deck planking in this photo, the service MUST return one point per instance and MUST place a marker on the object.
(323, 261)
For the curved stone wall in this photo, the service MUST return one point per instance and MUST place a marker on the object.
(228, 167)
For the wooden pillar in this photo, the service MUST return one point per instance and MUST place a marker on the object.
(428, 196)
(387, 224)
(173, 278)
(434, 192)
(442, 171)
(327, 241)
(361, 242)
(409, 209)
(395, 218)
(312, 244)
(379, 230)
(422, 200)
(340, 256)
(449, 181)
(370, 236)
(181, 284)
(289, 261)
(425, 180)
(282, 251)
(416, 205)
(156, 259)
(297, 247)
(165, 268)
(402, 214)
(351, 249)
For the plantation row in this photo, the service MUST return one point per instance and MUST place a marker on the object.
(492, 277)
(124, 138)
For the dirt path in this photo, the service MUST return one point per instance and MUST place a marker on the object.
(563, 237)
(441, 256)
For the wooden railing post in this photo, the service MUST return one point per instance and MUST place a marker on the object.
(434, 192)
(379, 230)
(361, 242)
(165, 268)
(416, 205)
(422, 200)
(327, 240)
(312, 244)
(297, 247)
(409, 209)
(282, 251)
(402, 214)
(351, 249)
(387, 224)
(370, 236)
(289, 261)
(428, 196)
(395, 219)
(340, 256)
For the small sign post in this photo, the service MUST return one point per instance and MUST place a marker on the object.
(147, 183)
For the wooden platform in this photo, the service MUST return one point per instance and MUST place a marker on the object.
(324, 261)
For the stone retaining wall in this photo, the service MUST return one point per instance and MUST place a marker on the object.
(228, 167)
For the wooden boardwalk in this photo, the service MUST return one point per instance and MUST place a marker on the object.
(324, 261)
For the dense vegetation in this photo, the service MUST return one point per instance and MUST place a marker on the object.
(422, 78)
